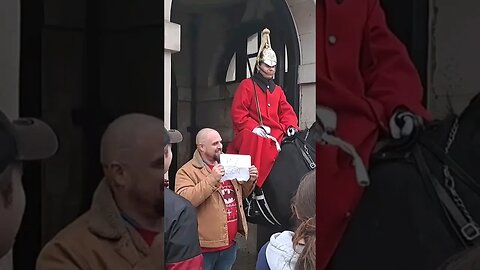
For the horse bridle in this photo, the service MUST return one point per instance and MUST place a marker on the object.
(447, 193)
(305, 150)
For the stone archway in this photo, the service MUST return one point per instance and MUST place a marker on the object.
(303, 13)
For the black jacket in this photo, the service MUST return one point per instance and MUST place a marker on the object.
(182, 246)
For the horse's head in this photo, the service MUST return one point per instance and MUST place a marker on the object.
(465, 148)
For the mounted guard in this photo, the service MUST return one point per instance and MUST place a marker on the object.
(261, 114)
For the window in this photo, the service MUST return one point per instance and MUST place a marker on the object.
(253, 43)
(231, 71)
(251, 51)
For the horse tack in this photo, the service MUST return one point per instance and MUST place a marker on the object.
(452, 202)
(449, 163)
(467, 226)
(450, 183)
(256, 205)
(304, 151)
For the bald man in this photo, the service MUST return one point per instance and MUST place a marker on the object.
(219, 203)
(124, 227)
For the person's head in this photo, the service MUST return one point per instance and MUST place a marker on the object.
(169, 137)
(209, 144)
(267, 71)
(132, 157)
(304, 208)
(467, 259)
(21, 140)
(266, 59)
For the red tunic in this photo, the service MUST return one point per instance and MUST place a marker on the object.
(363, 73)
(276, 112)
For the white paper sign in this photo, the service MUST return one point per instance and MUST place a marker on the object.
(236, 166)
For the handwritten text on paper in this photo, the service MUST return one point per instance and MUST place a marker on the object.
(236, 166)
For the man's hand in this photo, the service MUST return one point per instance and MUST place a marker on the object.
(253, 173)
(403, 124)
(218, 171)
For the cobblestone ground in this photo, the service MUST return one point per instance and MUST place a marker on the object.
(247, 252)
(245, 261)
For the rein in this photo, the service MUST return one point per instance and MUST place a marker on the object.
(304, 148)
(447, 194)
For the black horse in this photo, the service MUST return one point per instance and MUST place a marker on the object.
(412, 215)
(296, 158)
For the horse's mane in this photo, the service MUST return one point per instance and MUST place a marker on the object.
(439, 129)
(472, 106)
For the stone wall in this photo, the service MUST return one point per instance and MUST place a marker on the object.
(453, 77)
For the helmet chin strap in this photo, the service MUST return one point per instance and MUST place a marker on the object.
(264, 74)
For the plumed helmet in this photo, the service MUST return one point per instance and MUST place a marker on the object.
(265, 53)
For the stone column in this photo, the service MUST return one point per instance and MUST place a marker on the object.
(303, 13)
(9, 56)
(453, 55)
(172, 45)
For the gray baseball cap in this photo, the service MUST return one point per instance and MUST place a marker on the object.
(172, 136)
(25, 139)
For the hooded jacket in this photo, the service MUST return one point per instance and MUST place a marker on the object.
(279, 253)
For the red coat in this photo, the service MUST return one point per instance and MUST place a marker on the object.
(363, 73)
(276, 112)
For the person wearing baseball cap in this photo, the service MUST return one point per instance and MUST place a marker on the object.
(21, 140)
(182, 246)
(172, 136)
(169, 137)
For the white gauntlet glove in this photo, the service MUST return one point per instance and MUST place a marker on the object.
(403, 123)
(291, 131)
(264, 132)
(261, 131)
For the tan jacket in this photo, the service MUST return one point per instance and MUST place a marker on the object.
(195, 183)
(99, 239)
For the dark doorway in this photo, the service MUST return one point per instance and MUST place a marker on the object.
(408, 19)
(82, 65)
(28, 241)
